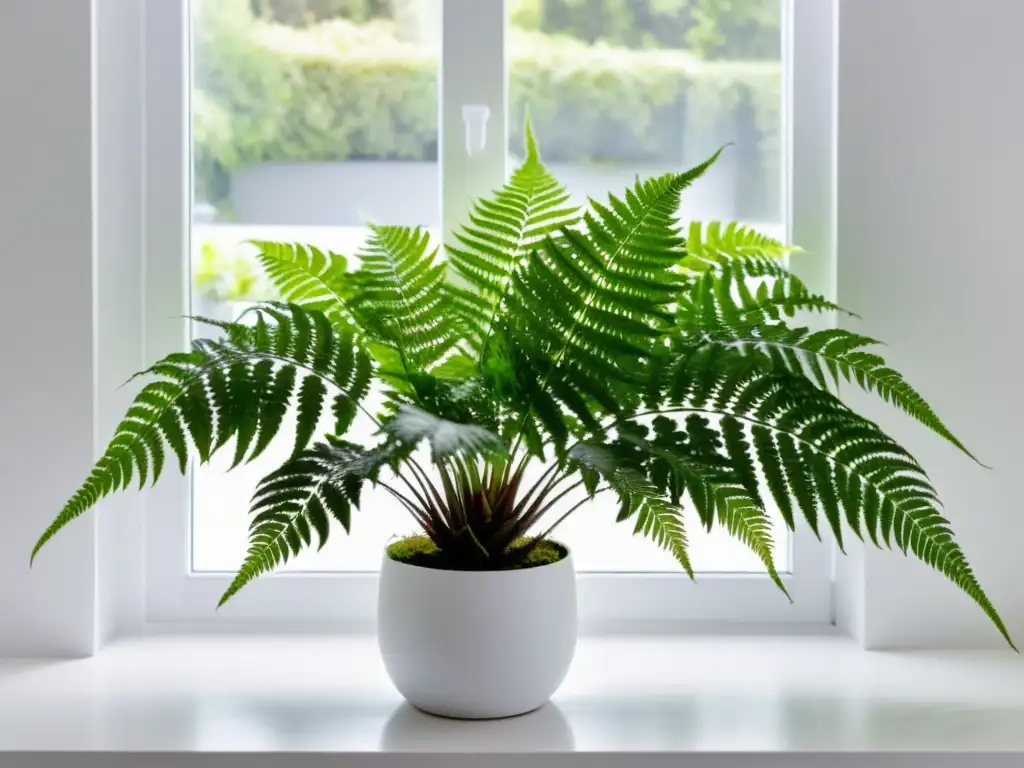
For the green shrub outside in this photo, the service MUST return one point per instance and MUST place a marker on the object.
(339, 91)
(305, 12)
(240, 102)
(712, 29)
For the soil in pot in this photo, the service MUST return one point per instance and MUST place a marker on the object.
(421, 551)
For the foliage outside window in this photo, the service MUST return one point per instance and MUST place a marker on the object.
(334, 80)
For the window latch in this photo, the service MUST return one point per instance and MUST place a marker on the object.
(475, 117)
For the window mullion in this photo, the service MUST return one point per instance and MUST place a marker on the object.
(473, 74)
(809, 78)
(167, 232)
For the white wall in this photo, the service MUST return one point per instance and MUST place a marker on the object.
(70, 194)
(46, 373)
(930, 164)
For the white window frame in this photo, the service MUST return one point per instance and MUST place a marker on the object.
(472, 72)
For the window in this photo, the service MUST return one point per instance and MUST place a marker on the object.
(300, 120)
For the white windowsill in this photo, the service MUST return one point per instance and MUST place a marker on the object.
(648, 698)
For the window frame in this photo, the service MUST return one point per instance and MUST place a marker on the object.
(471, 72)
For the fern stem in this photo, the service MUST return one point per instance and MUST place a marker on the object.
(468, 529)
(510, 483)
(425, 505)
(454, 499)
(463, 486)
(568, 512)
(423, 522)
(507, 472)
(522, 518)
(517, 510)
(429, 489)
(528, 522)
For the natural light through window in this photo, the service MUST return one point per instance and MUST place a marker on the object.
(311, 117)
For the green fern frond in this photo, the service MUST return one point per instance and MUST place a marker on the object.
(712, 243)
(586, 358)
(724, 295)
(590, 306)
(138, 446)
(722, 487)
(837, 355)
(302, 348)
(749, 523)
(503, 230)
(240, 388)
(311, 278)
(618, 270)
(656, 518)
(400, 298)
(299, 500)
(834, 461)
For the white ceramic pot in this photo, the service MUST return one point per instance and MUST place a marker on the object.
(477, 644)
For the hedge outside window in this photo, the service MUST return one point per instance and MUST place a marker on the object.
(356, 87)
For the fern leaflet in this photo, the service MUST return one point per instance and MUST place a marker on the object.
(311, 278)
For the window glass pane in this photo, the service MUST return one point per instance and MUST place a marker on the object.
(620, 88)
(309, 117)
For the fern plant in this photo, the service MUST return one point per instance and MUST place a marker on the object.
(618, 351)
